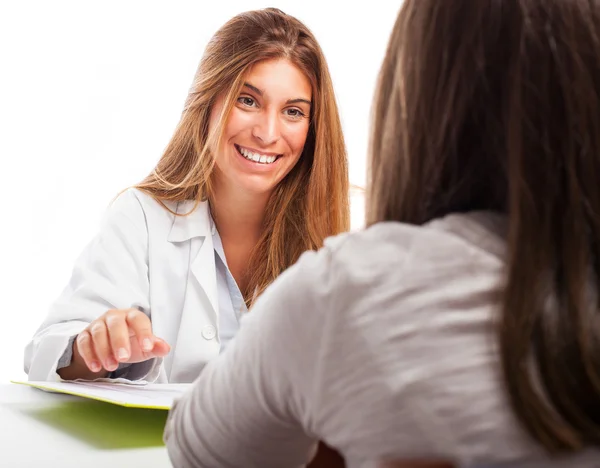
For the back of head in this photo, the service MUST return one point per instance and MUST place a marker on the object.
(495, 105)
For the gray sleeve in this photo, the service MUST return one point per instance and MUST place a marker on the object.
(137, 371)
(251, 406)
(67, 356)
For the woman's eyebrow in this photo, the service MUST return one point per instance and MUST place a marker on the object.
(289, 101)
(254, 88)
(295, 101)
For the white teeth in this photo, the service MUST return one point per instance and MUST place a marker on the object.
(259, 158)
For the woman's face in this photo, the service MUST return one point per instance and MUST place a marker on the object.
(266, 130)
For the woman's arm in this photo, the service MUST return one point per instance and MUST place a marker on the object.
(111, 273)
(253, 405)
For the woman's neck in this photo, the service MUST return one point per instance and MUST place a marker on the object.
(239, 217)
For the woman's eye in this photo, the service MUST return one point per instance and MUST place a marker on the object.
(297, 113)
(246, 100)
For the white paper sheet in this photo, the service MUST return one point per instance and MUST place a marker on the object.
(134, 394)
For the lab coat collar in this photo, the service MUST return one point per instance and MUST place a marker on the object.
(199, 223)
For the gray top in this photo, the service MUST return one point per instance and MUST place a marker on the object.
(382, 344)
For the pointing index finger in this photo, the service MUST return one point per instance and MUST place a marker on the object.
(141, 326)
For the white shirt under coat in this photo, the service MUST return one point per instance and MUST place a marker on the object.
(173, 268)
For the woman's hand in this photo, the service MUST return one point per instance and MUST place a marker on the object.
(118, 336)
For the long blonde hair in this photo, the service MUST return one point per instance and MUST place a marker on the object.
(311, 203)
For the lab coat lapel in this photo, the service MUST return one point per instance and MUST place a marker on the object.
(201, 303)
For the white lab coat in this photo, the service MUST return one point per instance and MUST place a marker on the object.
(148, 258)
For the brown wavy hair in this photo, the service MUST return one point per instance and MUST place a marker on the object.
(495, 105)
(312, 202)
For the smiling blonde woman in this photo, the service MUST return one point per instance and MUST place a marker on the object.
(255, 174)
(462, 327)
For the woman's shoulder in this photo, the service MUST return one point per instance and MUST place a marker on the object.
(392, 255)
(134, 201)
(147, 213)
(482, 232)
(380, 242)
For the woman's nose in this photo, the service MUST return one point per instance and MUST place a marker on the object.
(267, 129)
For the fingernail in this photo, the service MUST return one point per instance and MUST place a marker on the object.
(111, 363)
(123, 354)
(147, 344)
(95, 367)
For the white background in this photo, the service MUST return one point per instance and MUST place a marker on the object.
(90, 93)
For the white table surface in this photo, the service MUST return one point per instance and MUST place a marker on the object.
(43, 430)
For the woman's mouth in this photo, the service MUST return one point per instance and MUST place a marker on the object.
(256, 157)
